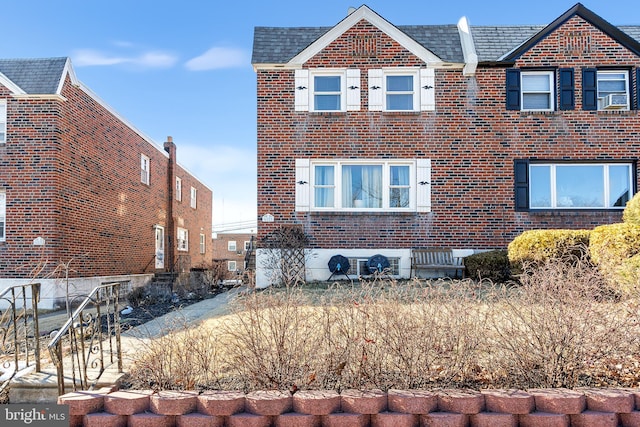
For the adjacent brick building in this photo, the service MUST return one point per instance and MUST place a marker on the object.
(235, 250)
(110, 203)
(376, 138)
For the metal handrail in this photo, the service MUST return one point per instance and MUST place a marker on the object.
(86, 335)
(19, 332)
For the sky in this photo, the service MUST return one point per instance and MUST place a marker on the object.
(183, 69)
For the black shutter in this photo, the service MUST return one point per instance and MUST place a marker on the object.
(567, 89)
(589, 89)
(521, 181)
(512, 89)
(637, 88)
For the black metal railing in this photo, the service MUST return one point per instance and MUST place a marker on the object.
(89, 342)
(19, 330)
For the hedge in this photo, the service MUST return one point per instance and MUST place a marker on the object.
(537, 246)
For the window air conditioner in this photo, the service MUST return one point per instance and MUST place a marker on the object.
(614, 102)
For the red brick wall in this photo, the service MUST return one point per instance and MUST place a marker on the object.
(71, 170)
(471, 139)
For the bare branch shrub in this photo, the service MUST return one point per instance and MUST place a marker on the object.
(558, 325)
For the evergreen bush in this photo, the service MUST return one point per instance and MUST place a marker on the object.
(538, 246)
(493, 265)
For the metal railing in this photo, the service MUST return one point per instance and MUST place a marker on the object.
(89, 341)
(19, 330)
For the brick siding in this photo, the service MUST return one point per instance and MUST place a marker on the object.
(71, 172)
(471, 139)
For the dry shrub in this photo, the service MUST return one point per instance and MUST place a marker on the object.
(183, 358)
(559, 328)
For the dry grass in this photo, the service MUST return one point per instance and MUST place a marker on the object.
(558, 328)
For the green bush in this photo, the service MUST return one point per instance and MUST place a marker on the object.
(631, 212)
(614, 248)
(538, 246)
(492, 265)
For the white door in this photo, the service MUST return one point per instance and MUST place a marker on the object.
(159, 246)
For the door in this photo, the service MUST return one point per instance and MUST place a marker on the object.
(159, 247)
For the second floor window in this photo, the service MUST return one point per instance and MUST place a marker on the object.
(194, 197)
(203, 245)
(231, 246)
(400, 92)
(613, 90)
(178, 189)
(537, 90)
(327, 92)
(144, 169)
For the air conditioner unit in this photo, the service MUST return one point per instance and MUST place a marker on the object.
(614, 102)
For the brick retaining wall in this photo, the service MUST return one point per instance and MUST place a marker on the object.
(397, 408)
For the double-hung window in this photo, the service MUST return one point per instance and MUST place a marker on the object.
(363, 185)
(606, 89)
(183, 239)
(537, 90)
(613, 90)
(575, 185)
(203, 245)
(327, 92)
(3, 215)
(144, 169)
(231, 246)
(327, 89)
(3, 121)
(401, 89)
(194, 197)
(178, 189)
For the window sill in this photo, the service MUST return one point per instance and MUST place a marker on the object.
(361, 213)
(618, 112)
(574, 212)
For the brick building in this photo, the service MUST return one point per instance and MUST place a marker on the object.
(235, 250)
(109, 202)
(376, 138)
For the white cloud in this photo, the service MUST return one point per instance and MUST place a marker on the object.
(218, 57)
(154, 59)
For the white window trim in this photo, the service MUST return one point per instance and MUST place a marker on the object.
(194, 197)
(203, 244)
(183, 239)
(350, 92)
(3, 216)
(3, 121)
(145, 165)
(232, 246)
(178, 189)
(626, 81)
(551, 92)
(419, 190)
(554, 196)
(423, 90)
(230, 264)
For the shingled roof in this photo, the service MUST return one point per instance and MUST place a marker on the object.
(277, 45)
(35, 76)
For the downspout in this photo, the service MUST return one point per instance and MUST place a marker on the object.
(468, 47)
(170, 148)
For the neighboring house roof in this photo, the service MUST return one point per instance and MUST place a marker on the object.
(578, 10)
(35, 76)
(278, 45)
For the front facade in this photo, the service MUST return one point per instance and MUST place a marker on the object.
(377, 139)
(83, 193)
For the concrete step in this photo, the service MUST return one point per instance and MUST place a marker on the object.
(42, 387)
